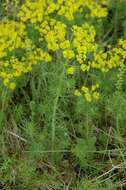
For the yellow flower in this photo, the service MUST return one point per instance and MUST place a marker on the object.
(96, 95)
(6, 82)
(77, 93)
(65, 44)
(85, 89)
(52, 7)
(12, 86)
(94, 87)
(69, 54)
(84, 67)
(88, 97)
(70, 70)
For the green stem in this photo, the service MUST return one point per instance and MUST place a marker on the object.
(53, 123)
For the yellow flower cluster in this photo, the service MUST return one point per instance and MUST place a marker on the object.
(89, 94)
(112, 58)
(68, 8)
(10, 36)
(83, 42)
(59, 37)
(32, 10)
(13, 37)
(70, 70)
(55, 36)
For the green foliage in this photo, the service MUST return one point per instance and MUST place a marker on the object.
(84, 152)
(88, 185)
(50, 139)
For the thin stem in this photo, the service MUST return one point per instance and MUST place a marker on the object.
(53, 124)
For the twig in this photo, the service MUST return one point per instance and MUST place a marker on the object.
(67, 188)
(17, 136)
(109, 171)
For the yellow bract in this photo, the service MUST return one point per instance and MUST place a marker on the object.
(70, 70)
(77, 93)
(90, 93)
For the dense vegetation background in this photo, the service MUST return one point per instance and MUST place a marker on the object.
(50, 139)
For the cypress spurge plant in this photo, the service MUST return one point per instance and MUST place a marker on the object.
(62, 87)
